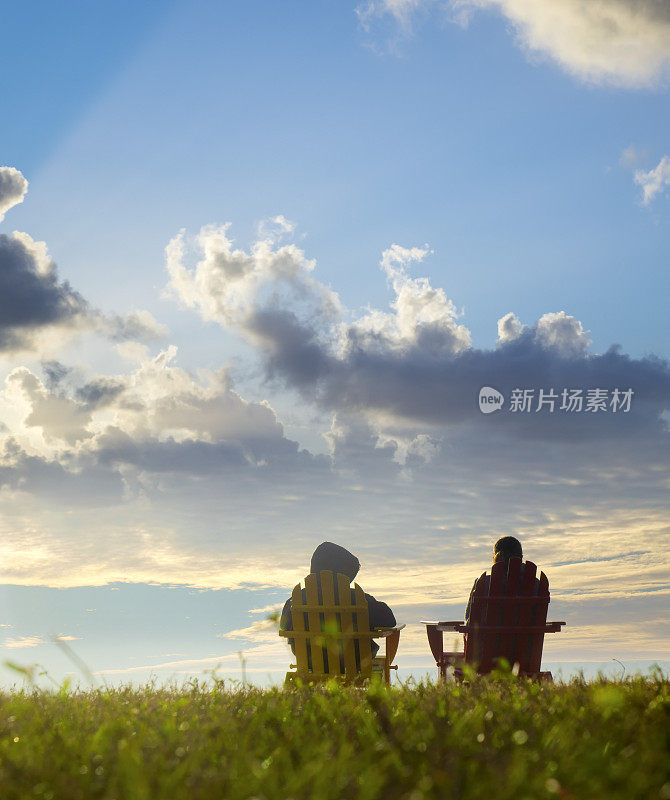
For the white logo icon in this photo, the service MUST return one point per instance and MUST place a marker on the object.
(490, 400)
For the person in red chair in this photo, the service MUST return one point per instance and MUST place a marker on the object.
(504, 549)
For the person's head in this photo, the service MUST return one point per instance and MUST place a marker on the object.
(336, 559)
(506, 548)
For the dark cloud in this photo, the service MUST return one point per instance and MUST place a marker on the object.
(293, 350)
(54, 373)
(32, 297)
(100, 392)
(56, 480)
(419, 384)
(136, 326)
(414, 362)
(188, 456)
(197, 457)
(34, 301)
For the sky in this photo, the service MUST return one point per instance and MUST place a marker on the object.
(257, 262)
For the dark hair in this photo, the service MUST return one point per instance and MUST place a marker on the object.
(506, 548)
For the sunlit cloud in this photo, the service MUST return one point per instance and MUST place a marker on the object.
(20, 642)
(619, 42)
(13, 188)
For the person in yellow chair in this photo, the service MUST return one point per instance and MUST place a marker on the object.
(333, 557)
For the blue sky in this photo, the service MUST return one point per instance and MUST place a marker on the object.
(527, 168)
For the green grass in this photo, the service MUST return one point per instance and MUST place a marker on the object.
(491, 738)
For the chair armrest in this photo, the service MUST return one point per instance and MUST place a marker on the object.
(382, 631)
(452, 625)
(392, 636)
(555, 627)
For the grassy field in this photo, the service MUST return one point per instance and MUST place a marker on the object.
(495, 738)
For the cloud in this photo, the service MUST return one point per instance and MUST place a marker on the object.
(13, 188)
(275, 228)
(226, 284)
(24, 641)
(562, 334)
(134, 326)
(509, 328)
(56, 479)
(413, 364)
(630, 156)
(38, 311)
(619, 42)
(32, 298)
(167, 421)
(654, 181)
(157, 420)
(402, 11)
(100, 392)
(271, 609)
(264, 630)
(157, 474)
(59, 417)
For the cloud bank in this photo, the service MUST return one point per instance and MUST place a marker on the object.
(156, 474)
(413, 363)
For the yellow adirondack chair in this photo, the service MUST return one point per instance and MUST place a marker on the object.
(332, 637)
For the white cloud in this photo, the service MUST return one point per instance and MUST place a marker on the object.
(13, 188)
(24, 641)
(276, 228)
(227, 284)
(620, 42)
(420, 313)
(271, 609)
(401, 10)
(655, 181)
(509, 328)
(562, 333)
(264, 630)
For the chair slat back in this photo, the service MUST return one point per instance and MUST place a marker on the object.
(474, 644)
(300, 624)
(332, 625)
(329, 621)
(514, 604)
(315, 623)
(539, 618)
(364, 644)
(526, 616)
(348, 622)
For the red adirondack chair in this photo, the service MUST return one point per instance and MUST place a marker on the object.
(508, 619)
